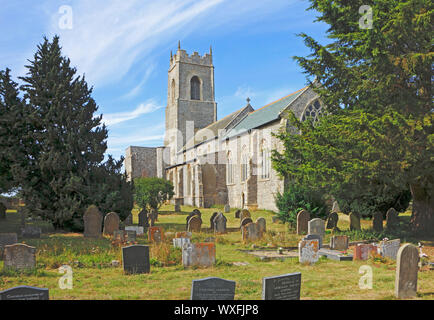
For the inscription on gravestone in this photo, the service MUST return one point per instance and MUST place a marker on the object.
(213, 289)
(25, 293)
(284, 287)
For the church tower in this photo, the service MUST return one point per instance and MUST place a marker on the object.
(190, 98)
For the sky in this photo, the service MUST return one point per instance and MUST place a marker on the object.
(123, 49)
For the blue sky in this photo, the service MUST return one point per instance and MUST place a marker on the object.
(123, 48)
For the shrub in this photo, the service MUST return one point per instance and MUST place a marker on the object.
(151, 193)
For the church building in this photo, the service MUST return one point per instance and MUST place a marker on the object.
(217, 162)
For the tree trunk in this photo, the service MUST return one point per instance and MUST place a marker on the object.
(422, 218)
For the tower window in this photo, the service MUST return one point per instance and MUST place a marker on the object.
(195, 88)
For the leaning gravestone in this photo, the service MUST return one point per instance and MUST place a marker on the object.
(220, 223)
(377, 222)
(194, 224)
(332, 220)
(198, 254)
(213, 289)
(143, 219)
(227, 208)
(19, 256)
(2, 211)
(354, 221)
(92, 222)
(284, 287)
(251, 232)
(389, 248)
(155, 234)
(262, 223)
(316, 226)
(211, 220)
(339, 243)
(135, 259)
(406, 272)
(111, 223)
(245, 221)
(392, 221)
(308, 251)
(303, 218)
(25, 293)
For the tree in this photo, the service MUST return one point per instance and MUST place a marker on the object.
(376, 84)
(64, 172)
(151, 193)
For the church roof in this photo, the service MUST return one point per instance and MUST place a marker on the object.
(264, 115)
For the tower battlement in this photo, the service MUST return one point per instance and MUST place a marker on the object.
(195, 58)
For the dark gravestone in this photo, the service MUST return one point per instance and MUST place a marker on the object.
(245, 221)
(143, 219)
(284, 287)
(24, 293)
(211, 220)
(2, 211)
(219, 223)
(377, 222)
(332, 220)
(237, 214)
(213, 289)
(135, 259)
(92, 222)
(355, 221)
(392, 221)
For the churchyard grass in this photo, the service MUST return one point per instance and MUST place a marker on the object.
(95, 278)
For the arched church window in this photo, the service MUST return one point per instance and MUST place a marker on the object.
(230, 170)
(195, 88)
(313, 111)
(265, 161)
(172, 91)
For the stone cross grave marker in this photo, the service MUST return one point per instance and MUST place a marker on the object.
(339, 243)
(194, 224)
(198, 254)
(92, 222)
(389, 248)
(19, 256)
(220, 222)
(406, 272)
(135, 259)
(377, 222)
(25, 293)
(111, 223)
(354, 221)
(155, 234)
(308, 251)
(213, 289)
(284, 287)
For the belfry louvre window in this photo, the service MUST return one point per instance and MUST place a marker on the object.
(195, 88)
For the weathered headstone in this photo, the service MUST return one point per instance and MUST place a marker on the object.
(143, 219)
(135, 259)
(245, 214)
(389, 248)
(2, 211)
(355, 221)
(284, 287)
(237, 214)
(155, 234)
(308, 251)
(251, 232)
(139, 230)
(316, 226)
(31, 232)
(339, 243)
(377, 222)
(179, 242)
(194, 224)
(195, 212)
(211, 220)
(406, 272)
(220, 223)
(227, 208)
(92, 222)
(128, 220)
(198, 254)
(111, 223)
(313, 237)
(213, 289)
(363, 251)
(25, 293)
(262, 223)
(332, 220)
(19, 256)
(335, 207)
(303, 218)
(245, 221)
(392, 221)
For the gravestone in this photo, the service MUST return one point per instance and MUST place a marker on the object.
(237, 214)
(139, 230)
(245, 221)
(313, 237)
(19, 256)
(195, 212)
(2, 211)
(308, 251)
(198, 254)
(389, 248)
(143, 219)
(284, 287)
(179, 242)
(262, 223)
(128, 220)
(92, 222)
(335, 207)
(211, 220)
(316, 226)
(251, 232)
(31, 232)
(406, 272)
(245, 214)
(155, 234)
(125, 235)
(183, 234)
(332, 220)
(377, 222)
(303, 218)
(213, 289)
(111, 223)
(392, 221)
(363, 251)
(339, 243)
(335, 255)
(355, 221)
(135, 259)
(194, 224)
(227, 208)
(220, 223)
(25, 293)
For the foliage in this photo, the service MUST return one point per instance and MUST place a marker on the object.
(297, 198)
(376, 83)
(151, 193)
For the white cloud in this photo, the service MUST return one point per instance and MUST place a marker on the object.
(149, 134)
(118, 117)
